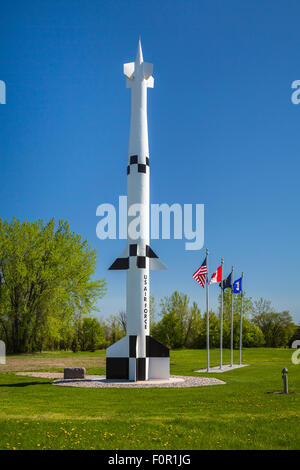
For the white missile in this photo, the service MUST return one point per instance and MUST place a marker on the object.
(137, 356)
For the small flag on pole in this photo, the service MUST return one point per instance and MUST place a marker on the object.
(237, 286)
(227, 282)
(200, 274)
(217, 276)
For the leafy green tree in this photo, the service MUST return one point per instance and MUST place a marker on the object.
(214, 332)
(66, 337)
(174, 312)
(247, 305)
(193, 326)
(90, 334)
(179, 322)
(252, 335)
(45, 281)
(75, 344)
(295, 336)
(277, 328)
(113, 330)
(261, 306)
(181, 325)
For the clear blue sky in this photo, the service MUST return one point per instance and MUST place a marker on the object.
(222, 129)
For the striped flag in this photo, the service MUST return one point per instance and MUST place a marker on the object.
(201, 273)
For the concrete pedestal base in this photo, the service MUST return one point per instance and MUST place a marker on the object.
(225, 368)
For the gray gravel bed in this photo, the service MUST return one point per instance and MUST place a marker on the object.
(101, 382)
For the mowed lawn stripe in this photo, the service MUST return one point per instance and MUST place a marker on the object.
(243, 414)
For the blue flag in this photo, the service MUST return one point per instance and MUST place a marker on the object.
(237, 286)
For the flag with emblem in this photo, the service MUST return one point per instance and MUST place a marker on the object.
(237, 286)
(227, 282)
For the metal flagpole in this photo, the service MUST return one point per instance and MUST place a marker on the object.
(241, 321)
(231, 329)
(221, 319)
(207, 313)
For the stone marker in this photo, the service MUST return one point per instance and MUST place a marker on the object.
(74, 373)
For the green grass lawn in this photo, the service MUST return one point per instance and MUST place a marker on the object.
(239, 415)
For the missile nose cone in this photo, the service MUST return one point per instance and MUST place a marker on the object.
(139, 54)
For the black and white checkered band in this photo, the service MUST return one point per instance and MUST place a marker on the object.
(153, 347)
(118, 367)
(123, 263)
(141, 167)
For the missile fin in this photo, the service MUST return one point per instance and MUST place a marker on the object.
(155, 264)
(122, 262)
(147, 70)
(128, 70)
(150, 82)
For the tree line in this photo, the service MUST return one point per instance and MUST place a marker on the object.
(179, 324)
(48, 296)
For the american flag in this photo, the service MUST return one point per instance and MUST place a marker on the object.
(201, 273)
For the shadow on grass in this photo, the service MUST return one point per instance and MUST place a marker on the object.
(25, 384)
